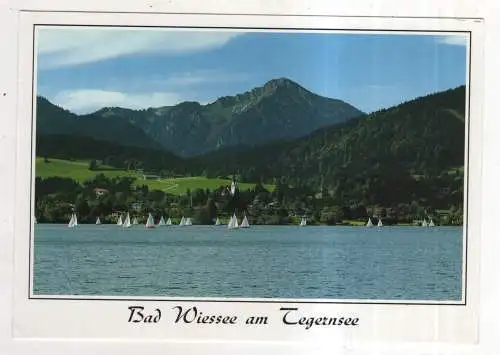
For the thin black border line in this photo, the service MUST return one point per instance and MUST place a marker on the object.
(33, 120)
(465, 264)
(149, 299)
(347, 30)
(248, 14)
(233, 300)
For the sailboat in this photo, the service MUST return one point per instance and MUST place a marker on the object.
(244, 223)
(162, 221)
(169, 222)
(379, 224)
(36, 221)
(369, 223)
(217, 222)
(233, 222)
(182, 222)
(303, 222)
(73, 222)
(127, 223)
(150, 223)
(431, 223)
(188, 222)
(120, 222)
(135, 221)
(424, 223)
(98, 221)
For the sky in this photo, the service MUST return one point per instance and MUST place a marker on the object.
(84, 69)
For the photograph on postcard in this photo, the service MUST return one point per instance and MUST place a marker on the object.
(191, 163)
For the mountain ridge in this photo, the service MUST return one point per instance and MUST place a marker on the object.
(410, 132)
(400, 163)
(54, 120)
(389, 149)
(278, 109)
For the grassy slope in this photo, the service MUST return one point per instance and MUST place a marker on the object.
(78, 170)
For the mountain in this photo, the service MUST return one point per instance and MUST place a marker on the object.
(53, 120)
(281, 109)
(378, 157)
(409, 157)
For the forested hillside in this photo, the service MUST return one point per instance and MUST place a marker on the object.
(402, 163)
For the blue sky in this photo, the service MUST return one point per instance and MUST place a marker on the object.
(84, 69)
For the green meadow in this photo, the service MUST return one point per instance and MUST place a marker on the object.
(79, 170)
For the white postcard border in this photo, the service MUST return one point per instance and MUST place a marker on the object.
(382, 322)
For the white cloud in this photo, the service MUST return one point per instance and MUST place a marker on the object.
(60, 47)
(87, 101)
(198, 77)
(453, 40)
(143, 92)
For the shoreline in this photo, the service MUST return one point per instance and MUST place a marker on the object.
(261, 225)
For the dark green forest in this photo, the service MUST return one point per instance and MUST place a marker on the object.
(399, 164)
(412, 152)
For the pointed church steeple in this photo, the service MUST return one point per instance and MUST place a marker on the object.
(233, 187)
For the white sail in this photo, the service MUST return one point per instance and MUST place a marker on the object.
(379, 224)
(135, 221)
(431, 223)
(73, 221)
(233, 222)
(182, 222)
(303, 222)
(230, 224)
(98, 221)
(150, 223)
(424, 223)
(120, 221)
(188, 222)
(127, 223)
(369, 223)
(169, 222)
(162, 221)
(244, 223)
(36, 221)
(217, 222)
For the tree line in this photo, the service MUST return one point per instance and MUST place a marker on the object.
(56, 198)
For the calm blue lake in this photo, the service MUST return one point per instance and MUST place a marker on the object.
(390, 263)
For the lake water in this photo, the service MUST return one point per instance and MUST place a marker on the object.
(389, 263)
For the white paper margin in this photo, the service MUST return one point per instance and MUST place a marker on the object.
(382, 323)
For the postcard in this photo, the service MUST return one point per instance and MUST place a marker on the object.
(271, 179)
